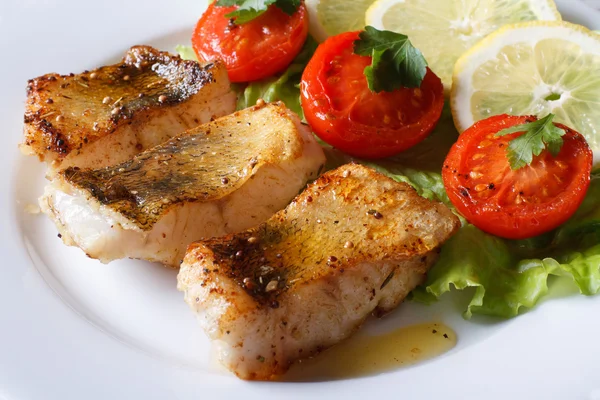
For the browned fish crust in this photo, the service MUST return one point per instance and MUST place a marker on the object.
(204, 164)
(294, 248)
(353, 243)
(65, 112)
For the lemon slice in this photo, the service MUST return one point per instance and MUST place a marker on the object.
(534, 68)
(330, 17)
(444, 29)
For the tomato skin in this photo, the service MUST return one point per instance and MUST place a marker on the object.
(343, 112)
(255, 50)
(515, 204)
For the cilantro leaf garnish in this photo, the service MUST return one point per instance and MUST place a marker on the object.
(539, 135)
(250, 9)
(396, 62)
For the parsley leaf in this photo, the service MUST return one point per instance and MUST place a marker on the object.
(538, 136)
(396, 62)
(250, 9)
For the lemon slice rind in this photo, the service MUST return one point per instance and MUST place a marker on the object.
(530, 93)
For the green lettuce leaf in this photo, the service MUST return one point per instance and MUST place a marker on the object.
(186, 52)
(427, 184)
(583, 267)
(420, 165)
(284, 87)
(502, 284)
(505, 277)
(510, 276)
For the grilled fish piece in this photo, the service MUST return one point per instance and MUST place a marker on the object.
(353, 243)
(222, 177)
(108, 115)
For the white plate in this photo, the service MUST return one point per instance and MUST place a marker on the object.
(71, 328)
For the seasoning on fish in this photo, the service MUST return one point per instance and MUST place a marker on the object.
(219, 178)
(106, 116)
(308, 277)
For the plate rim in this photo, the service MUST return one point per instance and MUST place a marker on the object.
(62, 376)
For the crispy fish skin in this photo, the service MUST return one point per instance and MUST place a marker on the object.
(210, 181)
(106, 116)
(353, 243)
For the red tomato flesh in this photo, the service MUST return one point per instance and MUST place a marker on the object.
(255, 50)
(343, 112)
(515, 204)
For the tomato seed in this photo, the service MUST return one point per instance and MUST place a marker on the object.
(518, 199)
(558, 178)
(561, 165)
(400, 116)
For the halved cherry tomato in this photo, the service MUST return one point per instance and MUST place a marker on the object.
(343, 112)
(254, 50)
(515, 204)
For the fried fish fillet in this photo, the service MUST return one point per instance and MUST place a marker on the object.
(219, 178)
(108, 115)
(353, 243)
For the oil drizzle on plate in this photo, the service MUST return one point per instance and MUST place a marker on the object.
(363, 355)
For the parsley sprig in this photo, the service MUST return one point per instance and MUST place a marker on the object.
(396, 62)
(538, 136)
(250, 9)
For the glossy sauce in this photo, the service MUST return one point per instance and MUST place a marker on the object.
(363, 355)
